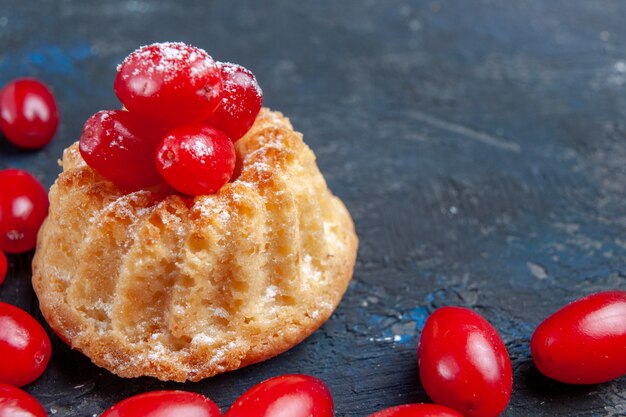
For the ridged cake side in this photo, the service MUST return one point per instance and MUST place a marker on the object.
(184, 288)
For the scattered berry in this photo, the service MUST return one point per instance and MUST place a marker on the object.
(29, 114)
(463, 363)
(17, 403)
(3, 266)
(24, 341)
(285, 395)
(585, 341)
(23, 207)
(171, 83)
(164, 403)
(241, 101)
(121, 148)
(417, 410)
(196, 159)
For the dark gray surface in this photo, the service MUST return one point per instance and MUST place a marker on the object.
(480, 147)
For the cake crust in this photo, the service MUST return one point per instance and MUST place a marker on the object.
(180, 288)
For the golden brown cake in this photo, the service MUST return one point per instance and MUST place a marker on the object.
(182, 288)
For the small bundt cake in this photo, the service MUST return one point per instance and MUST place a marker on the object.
(182, 288)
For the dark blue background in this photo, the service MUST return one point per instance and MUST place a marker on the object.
(479, 145)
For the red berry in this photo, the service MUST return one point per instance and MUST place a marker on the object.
(241, 101)
(17, 403)
(121, 148)
(585, 341)
(3, 267)
(23, 207)
(463, 363)
(196, 159)
(171, 83)
(417, 410)
(24, 341)
(164, 403)
(29, 115)
(286, 395)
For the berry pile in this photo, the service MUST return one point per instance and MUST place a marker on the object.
(182, 113)
(29, 118)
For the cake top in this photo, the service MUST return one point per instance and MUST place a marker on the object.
(182, 113)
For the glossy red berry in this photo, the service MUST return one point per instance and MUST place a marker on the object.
(585, 341)
(417, 410)
(196, 159)
(171, 83)
(24, 341)
(120, 147)
(241, 101)
(285, 395)
(17, 403)
(23, 207)
(3, 266)
(164, 404)
(463, 363)
(29, 114)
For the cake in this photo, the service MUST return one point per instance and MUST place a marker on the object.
(158, 283)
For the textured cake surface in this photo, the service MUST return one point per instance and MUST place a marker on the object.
(182, 288)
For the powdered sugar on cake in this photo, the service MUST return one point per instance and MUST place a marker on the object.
(167, 59)
(236, 76)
